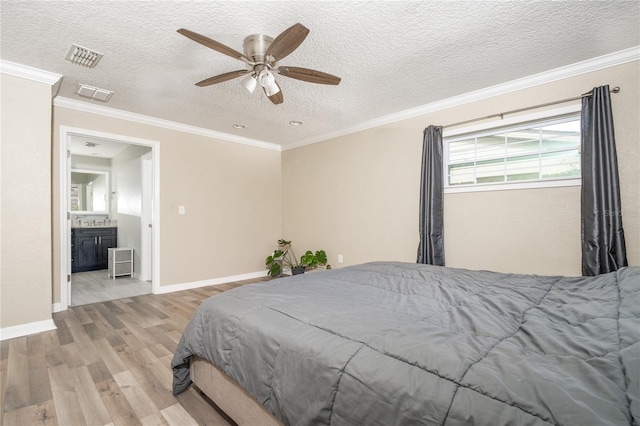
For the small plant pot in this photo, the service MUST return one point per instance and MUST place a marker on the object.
(297, 270)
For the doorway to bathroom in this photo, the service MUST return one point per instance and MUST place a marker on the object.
(110, 226)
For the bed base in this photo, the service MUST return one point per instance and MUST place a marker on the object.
(229, 396)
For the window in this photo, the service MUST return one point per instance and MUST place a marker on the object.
(535, 152)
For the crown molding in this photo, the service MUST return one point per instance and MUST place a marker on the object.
(33, 74)
(584, 67)
(591, 65)
(158, 122)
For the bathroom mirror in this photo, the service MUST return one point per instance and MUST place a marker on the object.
(89, 191)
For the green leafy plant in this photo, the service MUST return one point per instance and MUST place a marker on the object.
(284, 257)
(313, 260)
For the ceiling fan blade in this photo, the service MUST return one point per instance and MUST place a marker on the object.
(222, 77)
(309, 75)
(276, 98)
(287, 41)
(212, 44)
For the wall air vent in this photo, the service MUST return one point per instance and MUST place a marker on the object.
(83, 56)
(94, 92)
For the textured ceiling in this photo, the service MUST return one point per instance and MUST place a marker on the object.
(392, 56)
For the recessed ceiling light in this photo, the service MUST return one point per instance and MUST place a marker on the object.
(239, 126)
(296, 122)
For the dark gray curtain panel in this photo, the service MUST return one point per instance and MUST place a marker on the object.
(431, 248)
(603, 246)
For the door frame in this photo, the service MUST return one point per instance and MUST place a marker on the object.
(146, 239)
(65, 221)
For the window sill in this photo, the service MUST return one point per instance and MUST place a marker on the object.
(512, 186)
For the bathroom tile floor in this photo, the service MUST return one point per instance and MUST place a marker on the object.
(97, 286)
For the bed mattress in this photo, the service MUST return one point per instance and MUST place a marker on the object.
(393, 343)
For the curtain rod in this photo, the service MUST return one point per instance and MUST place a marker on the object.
(513, 111)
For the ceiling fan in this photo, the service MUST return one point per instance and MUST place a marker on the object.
(261, 54)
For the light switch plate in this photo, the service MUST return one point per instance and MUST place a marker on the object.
(181, 210)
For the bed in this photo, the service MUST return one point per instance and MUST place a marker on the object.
(392, 343)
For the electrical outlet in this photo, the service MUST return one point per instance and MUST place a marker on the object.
(340, 258)
(181, 210)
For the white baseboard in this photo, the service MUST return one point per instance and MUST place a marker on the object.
(56, 307)
(26, 329)
(215, 281)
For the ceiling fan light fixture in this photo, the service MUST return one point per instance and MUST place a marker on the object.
(261, 54)
(272, 89)
(268, 81)
(250, 82)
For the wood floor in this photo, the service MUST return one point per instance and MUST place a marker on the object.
(97, 286)
(107, 363)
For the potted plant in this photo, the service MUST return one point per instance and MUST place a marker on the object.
(313, 260)
(285, 257)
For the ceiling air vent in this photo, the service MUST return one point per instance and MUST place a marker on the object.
(83, 56)
(94, 92)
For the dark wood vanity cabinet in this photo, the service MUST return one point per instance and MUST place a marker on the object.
(89, 248)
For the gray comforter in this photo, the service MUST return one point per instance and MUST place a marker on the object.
(391, 343)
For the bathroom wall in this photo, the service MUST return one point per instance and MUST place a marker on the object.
(126, 199)
(90, 163)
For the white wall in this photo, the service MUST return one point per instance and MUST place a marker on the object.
(90, 163)
(127, 200)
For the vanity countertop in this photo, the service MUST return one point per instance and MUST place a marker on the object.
(92, 226)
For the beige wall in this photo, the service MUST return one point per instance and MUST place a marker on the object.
(25, 239)
(357, 195)
(231, 193)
